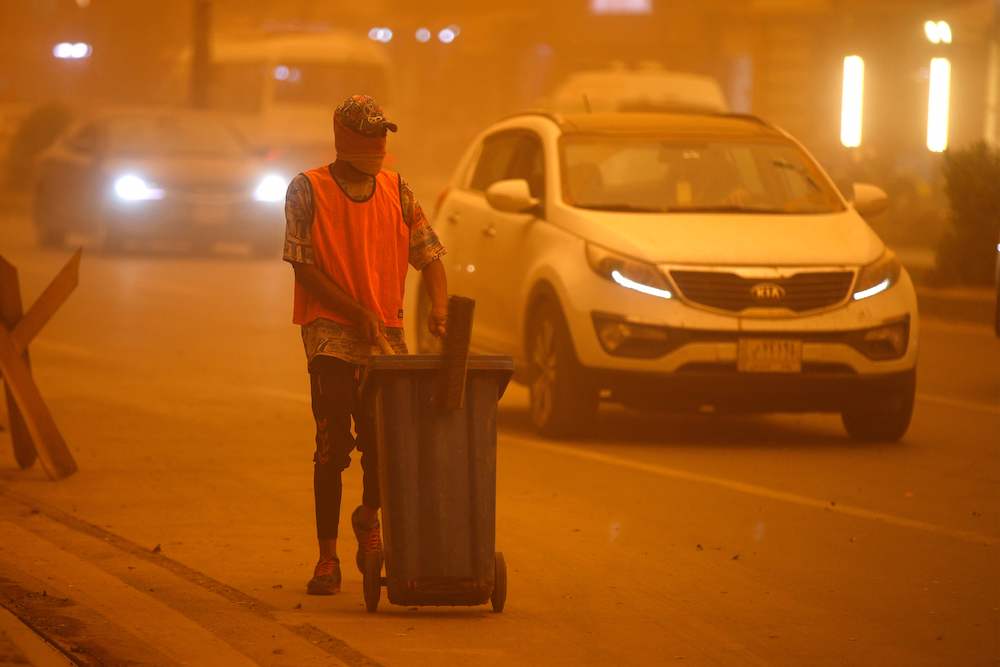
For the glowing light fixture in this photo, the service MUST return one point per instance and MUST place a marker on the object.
(423, 35)
(271, 189)
(447, 35)
(380, 34)
(621, 6)
(872, 291)
(852, 101)
(937, 32)
(72, 50)
(938, 104)
(131, 187)
(617, 276)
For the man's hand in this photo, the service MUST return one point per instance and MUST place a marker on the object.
(370, 325)
(437, 323)
(436, 285)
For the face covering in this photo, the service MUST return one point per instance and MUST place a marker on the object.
(364, 153)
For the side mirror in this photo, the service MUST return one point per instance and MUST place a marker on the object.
(869, 200)
(512, 196)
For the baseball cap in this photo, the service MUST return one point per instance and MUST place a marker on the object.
(362, 114)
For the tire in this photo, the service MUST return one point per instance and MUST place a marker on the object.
(51, 238)
(372, 581)
(113, 242)
(996, 311)
(499, 595)
(427, 343)
(563, 400)
(887, 421)
(50, 235)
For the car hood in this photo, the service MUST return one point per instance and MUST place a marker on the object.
(192, 172)
(841, 238)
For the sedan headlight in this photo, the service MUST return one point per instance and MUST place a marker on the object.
(629, 273)
(131, 187)
(271, 189)
(878, 276)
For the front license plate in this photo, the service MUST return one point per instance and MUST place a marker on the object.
(769, 355)
(209, 214)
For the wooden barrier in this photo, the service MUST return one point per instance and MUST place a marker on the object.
(34, 432)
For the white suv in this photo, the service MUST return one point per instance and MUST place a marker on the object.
(677, 261)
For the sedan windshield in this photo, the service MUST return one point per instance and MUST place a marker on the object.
(166, 135)
(657, 175)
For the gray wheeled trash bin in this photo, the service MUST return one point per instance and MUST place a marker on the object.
(437, 474)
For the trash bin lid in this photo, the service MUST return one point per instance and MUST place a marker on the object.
(378, 364)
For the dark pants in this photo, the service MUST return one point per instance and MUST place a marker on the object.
(335, 400)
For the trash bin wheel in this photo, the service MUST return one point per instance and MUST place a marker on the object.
(372, 581)
(499, 595)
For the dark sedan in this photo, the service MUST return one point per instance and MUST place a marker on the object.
(171, 175)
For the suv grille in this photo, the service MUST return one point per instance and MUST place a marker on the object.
(799, 293)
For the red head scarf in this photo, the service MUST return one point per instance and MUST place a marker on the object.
(353, 146)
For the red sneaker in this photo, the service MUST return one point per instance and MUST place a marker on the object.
(326, 578)
(369, 537)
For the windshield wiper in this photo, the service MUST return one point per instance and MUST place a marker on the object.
(628, 208)
(727, 208)
(798, 170)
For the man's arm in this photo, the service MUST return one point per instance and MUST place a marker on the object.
(436, 283)
(425, 256)
(299, 253)
(330, 295)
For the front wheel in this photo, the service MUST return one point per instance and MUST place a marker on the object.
(887, 419)
(50, 233)
(372, 581)
(563, 400)
(498, 598)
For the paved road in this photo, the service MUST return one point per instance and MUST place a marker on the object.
(180, 385)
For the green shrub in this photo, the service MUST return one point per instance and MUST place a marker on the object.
(967, 250)
(36, 133)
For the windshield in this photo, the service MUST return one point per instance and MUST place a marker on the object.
(651, 174)
(167, 135)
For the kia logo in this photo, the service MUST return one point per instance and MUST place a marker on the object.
(767, 292)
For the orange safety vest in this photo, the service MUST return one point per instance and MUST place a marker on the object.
(363, 247)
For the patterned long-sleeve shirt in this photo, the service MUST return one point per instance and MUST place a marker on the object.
(326, 337)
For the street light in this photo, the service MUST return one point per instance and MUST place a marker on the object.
(852, 101)
(937, 32)
(938, 104)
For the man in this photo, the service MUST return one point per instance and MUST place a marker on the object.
(352, 228)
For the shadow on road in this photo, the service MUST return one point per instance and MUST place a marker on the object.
(618, 425)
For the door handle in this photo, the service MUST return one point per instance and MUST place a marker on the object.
(490, 231)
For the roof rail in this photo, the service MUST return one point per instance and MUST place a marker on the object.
(551, 115)
(746, 116)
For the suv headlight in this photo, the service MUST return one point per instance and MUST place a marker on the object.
(271, 189)
(629, 273)
(132, 187)
(878, 276)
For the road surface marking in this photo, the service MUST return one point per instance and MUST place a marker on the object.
(140, 614)
(755, 490)
(975, 406)
(34, 648)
